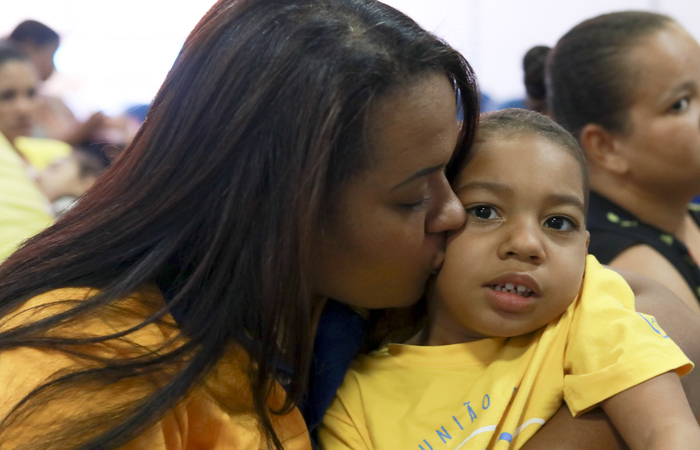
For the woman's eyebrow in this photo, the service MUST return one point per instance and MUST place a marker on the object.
(420, 173)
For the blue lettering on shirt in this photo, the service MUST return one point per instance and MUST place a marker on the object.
(443, 435)
(472, 414)
(651, 324)
(486, 402)
(505, 437)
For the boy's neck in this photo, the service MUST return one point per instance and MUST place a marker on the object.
(435, 336)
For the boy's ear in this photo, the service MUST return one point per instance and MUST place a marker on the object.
(603, 149)
(588, 240)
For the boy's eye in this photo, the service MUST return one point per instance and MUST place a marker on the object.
(483, 212)
(681, 104)
(560, 223)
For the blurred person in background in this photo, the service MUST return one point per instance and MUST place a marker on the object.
(66, 179)
(533, 66)
(533, 77)
(24, 210)
(18, 110)
(627, 85)
(54, 119)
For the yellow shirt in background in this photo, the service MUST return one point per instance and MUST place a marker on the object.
(24, 211)
(41, 152)
(497, 392)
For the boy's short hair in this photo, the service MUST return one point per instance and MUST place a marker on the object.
(94, 158)
(512, 121)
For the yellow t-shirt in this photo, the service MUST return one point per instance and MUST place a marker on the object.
(497, 392)
(41, 152)
(24, 211)
(197, 423)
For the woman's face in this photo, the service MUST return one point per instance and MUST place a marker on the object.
(42, 57)
(18, 83)
(389, 231)
(662, 145)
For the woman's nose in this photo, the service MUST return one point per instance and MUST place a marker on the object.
(450, 215)
(24, 104)
(523, 241)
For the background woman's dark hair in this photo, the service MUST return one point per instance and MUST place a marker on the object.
(10, 52)
(31, 31)
(219, 198)
(588, 80)
(533, 68)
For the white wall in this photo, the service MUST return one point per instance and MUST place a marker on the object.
(117, 52)
(113, 53)
(495, 34)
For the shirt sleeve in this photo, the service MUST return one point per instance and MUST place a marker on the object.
(611, 347)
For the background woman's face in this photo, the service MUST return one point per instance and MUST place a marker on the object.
(662, 146)
(18, 81)
(389, 230)
(42, 57)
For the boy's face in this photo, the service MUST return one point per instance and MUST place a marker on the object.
(62, 178)
(525, 233)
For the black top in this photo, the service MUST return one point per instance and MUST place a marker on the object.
(614, 229)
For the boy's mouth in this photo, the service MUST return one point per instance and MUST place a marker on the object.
(518, 289)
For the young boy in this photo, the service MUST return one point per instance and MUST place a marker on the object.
(66, 179)
(513, 330)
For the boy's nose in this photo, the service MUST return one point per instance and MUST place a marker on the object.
(524, 241)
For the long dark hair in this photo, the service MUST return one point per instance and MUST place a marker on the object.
(254, 132)
(588, 80)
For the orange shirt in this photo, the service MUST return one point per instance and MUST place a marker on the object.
(198, 422)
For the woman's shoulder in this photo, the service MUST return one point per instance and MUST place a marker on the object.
(218, 413)
(118, 330)
(105, 318)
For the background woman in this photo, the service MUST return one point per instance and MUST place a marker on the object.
(628, 86)
(53, 118)
(24, 210)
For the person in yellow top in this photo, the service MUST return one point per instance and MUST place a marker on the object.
(18, 109)
(24, 210)
(513, 330)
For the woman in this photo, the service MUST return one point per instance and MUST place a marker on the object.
(54, 119)
(297, 151)
(626, 84)
(24, 211)
(249, 196)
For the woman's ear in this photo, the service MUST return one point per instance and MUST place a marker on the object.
(602, 149)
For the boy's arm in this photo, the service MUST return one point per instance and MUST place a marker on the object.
(594, 428)
(677, 320)
(654, 415)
